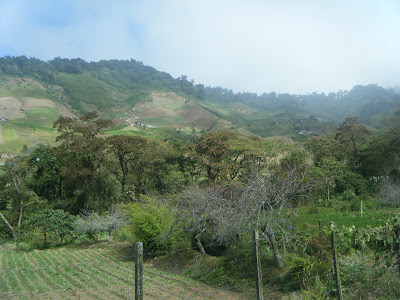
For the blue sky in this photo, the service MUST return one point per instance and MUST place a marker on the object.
(249, 45)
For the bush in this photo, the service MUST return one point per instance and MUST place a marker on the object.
(24, 246)
(92, 224)
(351, 181)
(303, 271)
(389, 193)
(364, 278)
(152, 224)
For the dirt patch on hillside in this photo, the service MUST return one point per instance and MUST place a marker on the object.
(170, 105)
(24, 82)
(14, 108)
(166, 98)
(222, 125)
(157, 111)
(195, 114)
(34, 103)
(10, 108)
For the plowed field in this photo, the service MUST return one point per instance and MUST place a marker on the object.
(65, 273)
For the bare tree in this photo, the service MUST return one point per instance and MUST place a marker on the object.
(389, 192)
(206, 210)
(91, 223)
(257, 203)
(266, 195)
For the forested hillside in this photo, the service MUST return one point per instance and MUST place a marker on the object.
(114, 87)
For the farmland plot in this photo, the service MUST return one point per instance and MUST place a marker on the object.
(90, 274)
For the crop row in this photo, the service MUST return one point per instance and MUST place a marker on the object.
(86, 274)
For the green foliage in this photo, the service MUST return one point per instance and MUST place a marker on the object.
(48, 113)
(51, 223)
(87, 89)
(350, 181)
(302, 271)
(305, 220)
(45, 181)
(152, 224)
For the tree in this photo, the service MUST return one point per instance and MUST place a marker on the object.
(81, 154)
(328, 170)
(44, 180)
(16, 192)
(382, 156)
(200, 93)
(50, 222)
(122, 147)
(323, 147)
(206, 211)
(219, 155)
(141, 163)
(354, 137)
(264, 197)
(186, 85)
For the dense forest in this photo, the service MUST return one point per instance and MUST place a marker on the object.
(208, 193)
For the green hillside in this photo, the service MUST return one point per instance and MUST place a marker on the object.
(34, 93)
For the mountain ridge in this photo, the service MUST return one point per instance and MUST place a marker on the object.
(175, 106)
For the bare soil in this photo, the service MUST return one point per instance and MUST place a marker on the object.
(14, 108)
(170, 105)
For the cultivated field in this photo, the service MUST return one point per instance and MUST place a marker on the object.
(171, 110)
(90, 273)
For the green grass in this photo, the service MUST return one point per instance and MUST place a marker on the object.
(40, 118)
(307, 219)
(16, 134)
(20, 91)
(157, 121)
(116, 128)
(46, 112)
(128, 132)
(83, 87)
(34, 129)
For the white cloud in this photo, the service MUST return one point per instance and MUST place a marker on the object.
(257, 46)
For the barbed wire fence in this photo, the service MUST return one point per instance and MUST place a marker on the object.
(255, 280)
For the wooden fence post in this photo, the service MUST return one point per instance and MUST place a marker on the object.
(257, 265)
(320, 248)
(138, 271)
(397, 233)
(339, 294)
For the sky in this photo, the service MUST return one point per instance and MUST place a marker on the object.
(286, 46)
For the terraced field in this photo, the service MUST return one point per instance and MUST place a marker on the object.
(93, 273)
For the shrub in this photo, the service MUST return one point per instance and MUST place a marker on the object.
(152, 224)
(389, 193)
(351, 181)
(92, 224)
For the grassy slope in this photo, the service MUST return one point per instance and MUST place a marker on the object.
(90, 273)
(35, 129)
